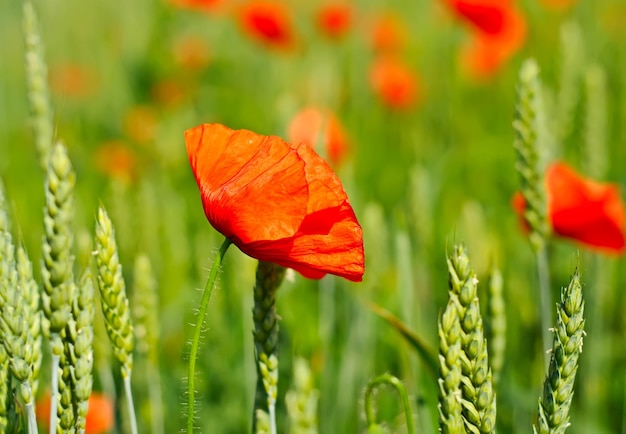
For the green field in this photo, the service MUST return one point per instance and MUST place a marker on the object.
(127, 79)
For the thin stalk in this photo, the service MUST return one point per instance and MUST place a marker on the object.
(32, 420)
(370, 413)
(154, 390)
(195, 343)
(54, 380)
(271, 406)
(131, 406)
(546, 303)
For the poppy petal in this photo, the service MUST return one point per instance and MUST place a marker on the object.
(585, 210)
(278, 202)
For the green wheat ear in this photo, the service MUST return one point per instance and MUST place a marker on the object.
(528, 126)
(572, 62)
(113, 293)
(30, 292)
(58, 261)
(558, 388)
(7, 280)
(595, 123)
(80, 333)
(450, 419)
(497, 313)
(302, 400)
(145, 309)
(477, 396)
(37, 82)
(269, 276)
(114, 304)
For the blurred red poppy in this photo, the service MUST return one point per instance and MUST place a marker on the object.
(499, 31)
(72, 80)
(171, 92)
(267, 22)
(277, 202)
(115, 159)
(334, 19)
(191, 52)
(488, 16)
(203, 5)
(100, 416)
(312, 126)
(394, 82)
(388, 33)
(581, 209)
(140, 124)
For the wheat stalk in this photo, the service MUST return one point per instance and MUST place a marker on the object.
(558, 388)
(114, 303)
(268, 279)
(37, 83)
(302, 400)
(477, 396)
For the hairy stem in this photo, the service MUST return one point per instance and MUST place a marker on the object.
(195, 342)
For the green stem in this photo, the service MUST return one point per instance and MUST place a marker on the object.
(154, 390)
(546, 302)
(195, 343)
(32, 420)
(370, 413)
(131, 407)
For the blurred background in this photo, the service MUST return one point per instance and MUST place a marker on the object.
(411, 102)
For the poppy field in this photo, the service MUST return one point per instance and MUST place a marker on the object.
(287, 216)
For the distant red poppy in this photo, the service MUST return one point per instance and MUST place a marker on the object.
(313, 126)
(268, 22)
(488, 16)
(202, 5)
(100, 416)
(140, 124)
(499, 31)
(581, 209)
(335, 19)
(72, 80)
(191, 53)
(388, 32)
(394, 82)
(115, 159)
(170, 92)
(277, 202)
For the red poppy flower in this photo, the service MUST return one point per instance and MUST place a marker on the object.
(277, 202)
(499, 32)
(115, 159)
(100, 416)
(581, 209)
(267, 22)
(388, 33)
(394, 82)
(72, 80)
(191, 53)
(334, 19)
(488, 16)
(203, 5)
(140, 124)
(312, 126)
